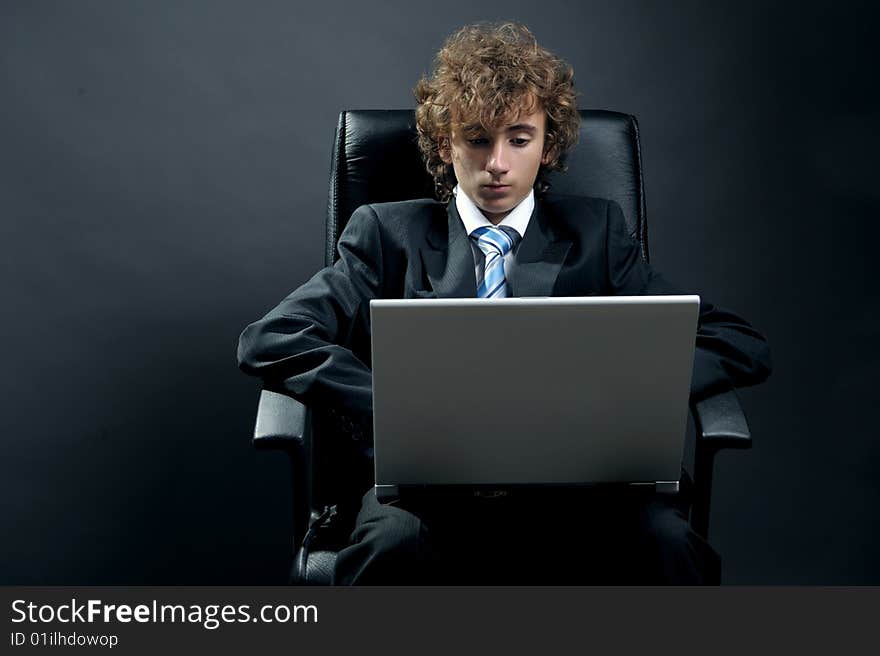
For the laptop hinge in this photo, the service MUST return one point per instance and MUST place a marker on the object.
(661, 487)
(387, 493)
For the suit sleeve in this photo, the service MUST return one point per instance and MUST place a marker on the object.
(314, 343)
(729, 351)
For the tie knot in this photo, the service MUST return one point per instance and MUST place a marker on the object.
(495, 240)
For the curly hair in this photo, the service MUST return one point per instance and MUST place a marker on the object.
(487, 75)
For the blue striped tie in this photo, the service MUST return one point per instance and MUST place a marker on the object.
(495, 244)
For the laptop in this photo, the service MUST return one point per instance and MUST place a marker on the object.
(502, 393)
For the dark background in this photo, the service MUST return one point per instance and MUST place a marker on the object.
(163, 179)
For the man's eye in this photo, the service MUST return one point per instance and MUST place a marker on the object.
(519, 141)
(478, 141)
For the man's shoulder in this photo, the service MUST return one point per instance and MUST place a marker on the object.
(402, 222)
(574, 211)
(568, 203)
(419, 209)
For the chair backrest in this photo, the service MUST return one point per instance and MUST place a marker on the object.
(376, 159)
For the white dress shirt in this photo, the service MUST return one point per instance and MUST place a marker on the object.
(473, 218)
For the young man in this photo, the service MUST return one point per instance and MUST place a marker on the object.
(498, 112)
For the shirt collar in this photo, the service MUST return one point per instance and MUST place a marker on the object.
(473, 218)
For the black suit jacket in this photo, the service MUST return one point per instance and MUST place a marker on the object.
(316, 343)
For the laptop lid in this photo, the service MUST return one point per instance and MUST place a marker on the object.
(531, 391)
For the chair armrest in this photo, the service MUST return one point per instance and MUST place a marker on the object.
(285, 424)
(720, 422)
(282, 422)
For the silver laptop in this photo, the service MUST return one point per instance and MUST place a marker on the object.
(531, 391)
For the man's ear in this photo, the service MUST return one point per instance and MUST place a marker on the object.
(549, 154)
(444, 149)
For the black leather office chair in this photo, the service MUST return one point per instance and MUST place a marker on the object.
(375, 159)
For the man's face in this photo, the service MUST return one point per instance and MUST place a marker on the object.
(497, 169)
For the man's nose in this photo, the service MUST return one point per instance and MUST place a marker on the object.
(497, 163)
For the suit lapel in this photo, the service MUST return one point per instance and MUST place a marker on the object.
(448, 258)
(539, 257)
